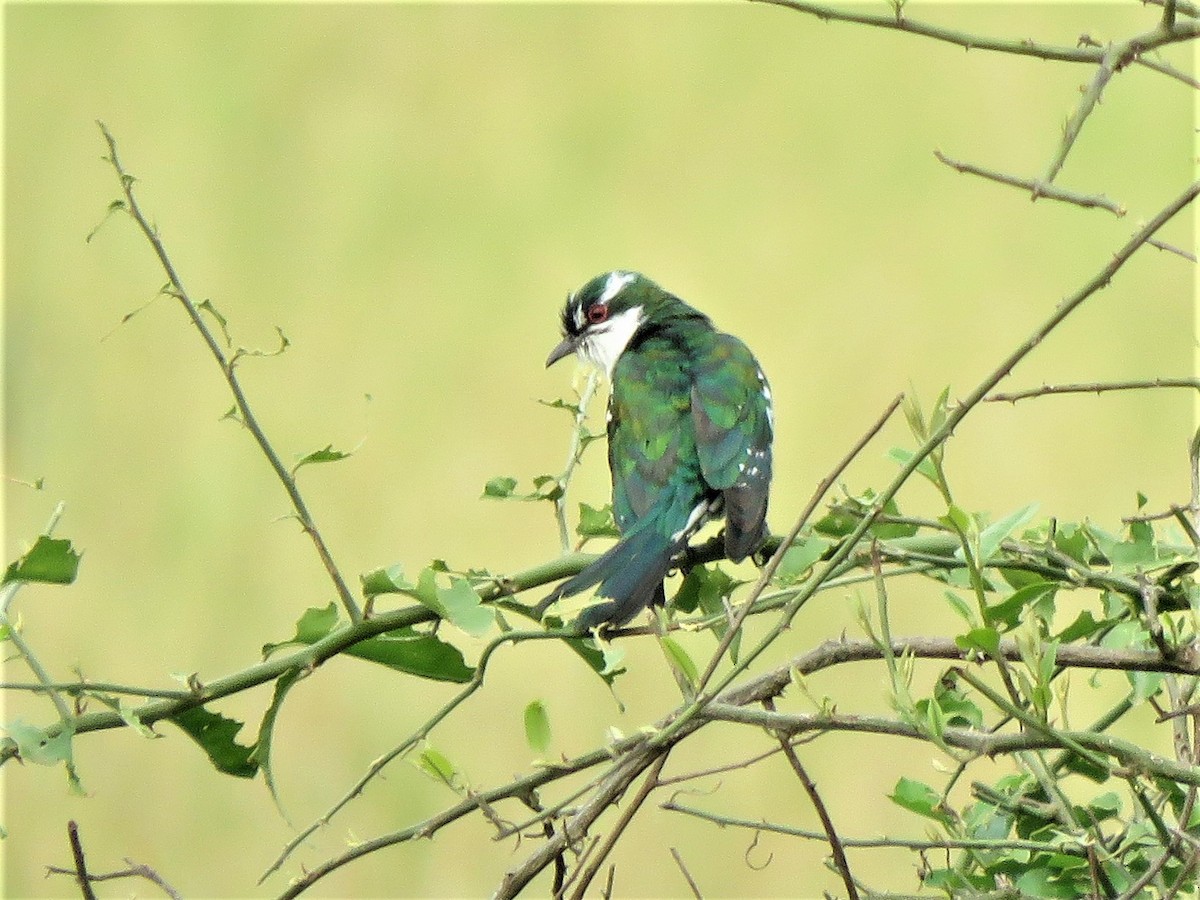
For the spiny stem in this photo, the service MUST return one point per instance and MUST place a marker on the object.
(228, 365)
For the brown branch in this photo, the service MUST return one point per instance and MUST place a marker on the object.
(86, 879)
(814, 796)
(81, 873)
(649, 783)
(981, 743)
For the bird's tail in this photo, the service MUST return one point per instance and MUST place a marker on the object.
(630, 575)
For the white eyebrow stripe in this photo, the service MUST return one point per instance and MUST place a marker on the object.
(614, 284)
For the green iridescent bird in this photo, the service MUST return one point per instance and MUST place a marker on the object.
(689, 436)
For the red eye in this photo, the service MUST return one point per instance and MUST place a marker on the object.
(597, 313)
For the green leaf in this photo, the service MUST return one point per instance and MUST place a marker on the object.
(260, 754)
(437, 766)
(499, 488)
(314, 624)
(595, 522)
(887, 531)
(48, 561)
(925, 467)
(985, 639)
(462, 606)
(597, 660)
(537, 726)
(680, 661)
(707, 588)
(389, 580)
(403, 650)
(1083, 626)
(799, 558)
(1007, 613)
(996, 533)
(1072, 540)
(425, 656)
(37, 747)
(325, 455)
(965, 611)
(1106, 806)
(216, 736)
(920, 798)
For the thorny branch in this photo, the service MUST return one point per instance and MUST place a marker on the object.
(228, 366)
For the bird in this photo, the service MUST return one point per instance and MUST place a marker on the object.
(690, 424)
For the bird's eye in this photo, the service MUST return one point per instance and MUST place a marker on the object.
(597, 313)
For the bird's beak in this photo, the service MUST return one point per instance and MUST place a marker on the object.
(565, 348)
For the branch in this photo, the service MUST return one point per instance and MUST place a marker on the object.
(1157, 38)
(836, 653)
(1069, 847)
(1036, 187)
(772, 565)
(1095, 387)
(981, 743)
(953, 417)
(85, 879)
(227, 366)
(836, 846)
(81, 873)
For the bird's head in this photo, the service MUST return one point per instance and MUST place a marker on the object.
(601, 318)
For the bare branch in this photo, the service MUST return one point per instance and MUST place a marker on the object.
(1160, 37)
(228, 366)
(85, 879)
(814, 796)
(1094, 387)
(81, 873)
(687, 875)
(1036, 187)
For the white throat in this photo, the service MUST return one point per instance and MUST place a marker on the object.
(606, 344)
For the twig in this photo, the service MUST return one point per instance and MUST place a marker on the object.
(1171, 248)
(687, 875)
(649, 783)
(1036, 187)
(772, 565)
(381, 762)
(86, 879)
(814, 796)
(982, 743)
(228, 367)
(953, 418)
(78, 688)
(1173, 34)
(1094, 387)
(81, 873)
(1068, 847)
(574, 454)
(1182, 7)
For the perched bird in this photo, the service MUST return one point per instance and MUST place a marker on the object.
(690, 425)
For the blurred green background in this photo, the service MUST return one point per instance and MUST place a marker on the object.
(409, 192)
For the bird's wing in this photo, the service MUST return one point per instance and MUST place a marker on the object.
(650, 442)
(732, 417)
